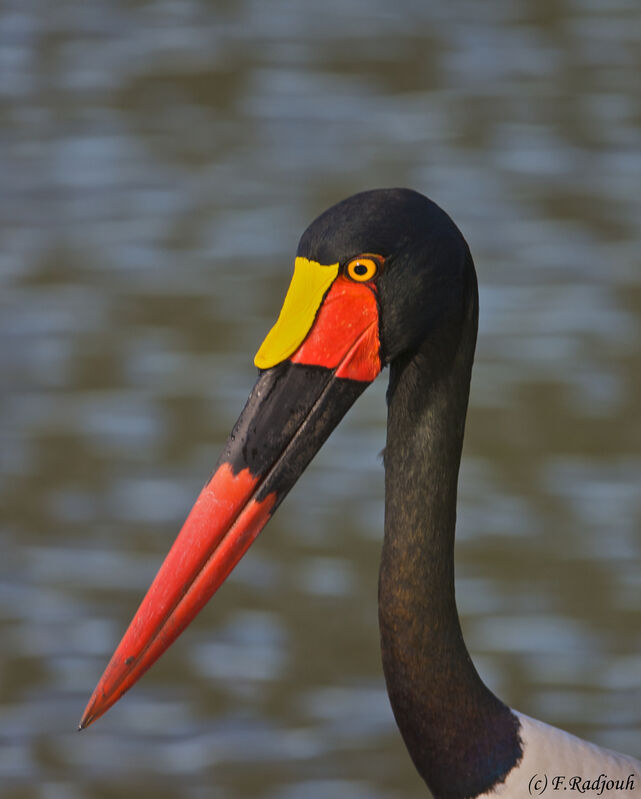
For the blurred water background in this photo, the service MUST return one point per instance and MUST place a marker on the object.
(159, 161)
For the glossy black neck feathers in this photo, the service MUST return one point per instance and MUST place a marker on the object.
(462, 739)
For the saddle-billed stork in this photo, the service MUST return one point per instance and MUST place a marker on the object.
(382, 278)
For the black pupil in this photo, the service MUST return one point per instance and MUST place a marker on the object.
(360, 269)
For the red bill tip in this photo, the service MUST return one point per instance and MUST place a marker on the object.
(223, 523)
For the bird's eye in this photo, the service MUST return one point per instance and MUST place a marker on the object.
(363, 268)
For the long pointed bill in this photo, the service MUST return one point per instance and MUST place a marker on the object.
(292, 409)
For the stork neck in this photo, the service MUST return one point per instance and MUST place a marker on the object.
(461, 737)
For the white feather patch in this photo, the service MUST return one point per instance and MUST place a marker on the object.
(557, 764)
